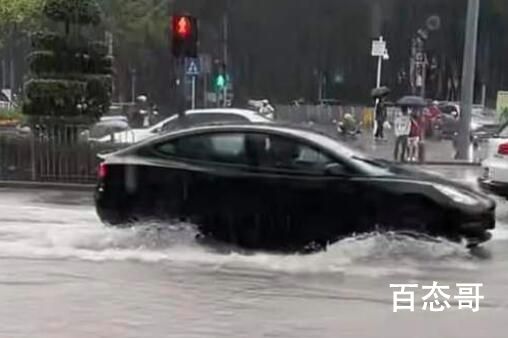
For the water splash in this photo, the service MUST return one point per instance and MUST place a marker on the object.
(87, 239)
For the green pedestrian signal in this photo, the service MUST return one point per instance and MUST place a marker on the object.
(220, 81)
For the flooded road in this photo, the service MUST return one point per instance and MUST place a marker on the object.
(63, 274)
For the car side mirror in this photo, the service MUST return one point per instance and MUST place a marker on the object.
(334, 169)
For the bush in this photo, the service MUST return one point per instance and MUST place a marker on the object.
(54, 97)
(98, 97)
(47, 41)
(98, 49)
(91, 59)
(90, 97)
(10, 114)
(43, 61)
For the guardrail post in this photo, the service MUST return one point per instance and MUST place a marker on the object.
(33, 159)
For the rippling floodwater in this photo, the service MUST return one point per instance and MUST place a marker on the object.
(63, 274)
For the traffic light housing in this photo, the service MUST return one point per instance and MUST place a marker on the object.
(184, 36)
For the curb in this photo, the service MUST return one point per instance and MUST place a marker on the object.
(446, 164)
(47, 185)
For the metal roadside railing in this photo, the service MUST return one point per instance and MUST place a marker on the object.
(67, 154)
(44, 155)
(322, 114)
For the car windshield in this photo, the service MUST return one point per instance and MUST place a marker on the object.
(366, 163)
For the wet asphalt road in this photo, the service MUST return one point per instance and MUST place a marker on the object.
(63, 274)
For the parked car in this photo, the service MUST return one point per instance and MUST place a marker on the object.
(192, 118)
(495, 168)
(106, 127)
(484, 123)
(281, 188)
(449, 122)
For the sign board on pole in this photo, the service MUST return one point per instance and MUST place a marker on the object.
(192, 67)
(378, 47)
(502, 101)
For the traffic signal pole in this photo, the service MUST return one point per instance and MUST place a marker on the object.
(193, 93)
(468, 78)
(225, 56)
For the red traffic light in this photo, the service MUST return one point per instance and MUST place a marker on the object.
(182, 26)
(184, 36)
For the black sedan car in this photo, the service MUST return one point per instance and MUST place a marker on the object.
(279, 188)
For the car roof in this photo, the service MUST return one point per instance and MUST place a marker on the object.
(248, 114)
(242, 112)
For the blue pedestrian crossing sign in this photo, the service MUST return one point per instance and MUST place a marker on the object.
(192, 67)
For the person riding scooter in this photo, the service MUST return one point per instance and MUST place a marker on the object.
(348, 126)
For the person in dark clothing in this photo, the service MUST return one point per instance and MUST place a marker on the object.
(380, 118)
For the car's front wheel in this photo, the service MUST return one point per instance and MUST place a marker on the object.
(414, 216)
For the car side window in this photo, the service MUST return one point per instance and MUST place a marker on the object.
(262, 151)
(220, 148)
(287, 154)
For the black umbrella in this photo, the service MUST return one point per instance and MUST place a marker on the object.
(380, 92)
(412, 101)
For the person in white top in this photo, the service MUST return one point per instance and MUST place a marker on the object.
(402, 129)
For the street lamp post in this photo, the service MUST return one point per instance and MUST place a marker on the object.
(133, 85)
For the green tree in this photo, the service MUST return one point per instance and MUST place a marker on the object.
(140, 30)
(17, 18)
(69, 73)
(20, 12)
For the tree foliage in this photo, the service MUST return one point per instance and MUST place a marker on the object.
(70, 75)
(23, 15)
(140, 29)
(283, 49)
(19, 11)
(82, 12)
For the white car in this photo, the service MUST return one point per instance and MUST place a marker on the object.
(193, 117)
(495, 168)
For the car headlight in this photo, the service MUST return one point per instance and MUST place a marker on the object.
(457, 195)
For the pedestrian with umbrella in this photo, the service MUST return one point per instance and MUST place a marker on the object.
(416, 136)
(402, 129)
(380, 111)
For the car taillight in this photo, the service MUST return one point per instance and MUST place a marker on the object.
(503, 149)
(103, 171)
